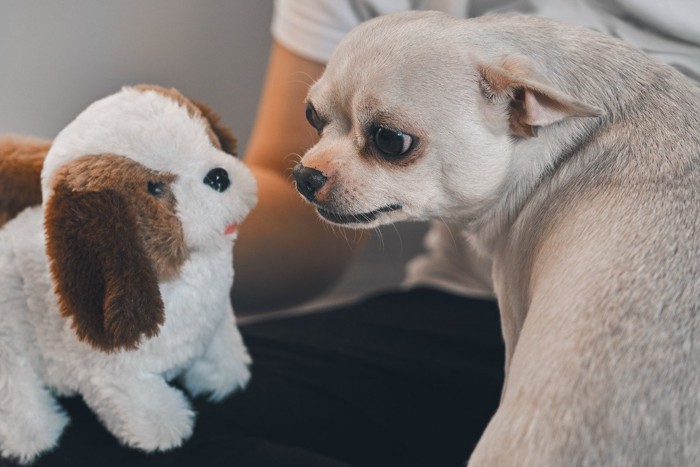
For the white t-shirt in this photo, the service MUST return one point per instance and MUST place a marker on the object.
(665, 29)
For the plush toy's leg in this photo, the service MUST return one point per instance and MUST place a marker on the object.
(223, 368)
(141, 410)
(31, 421)
(21, 160)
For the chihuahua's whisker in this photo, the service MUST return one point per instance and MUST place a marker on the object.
(449, 230)
(398, 235)
(294, 155)
(310, 80)
(380, 236)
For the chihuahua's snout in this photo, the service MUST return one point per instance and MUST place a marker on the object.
(218, 179)
(309, 180)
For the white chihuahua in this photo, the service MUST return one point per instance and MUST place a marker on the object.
(573, 161)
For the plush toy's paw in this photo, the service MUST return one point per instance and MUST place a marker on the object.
(24, 439)
(142, 411)
(31, 422)
(223, 368)
(159, 427)
(218, 378)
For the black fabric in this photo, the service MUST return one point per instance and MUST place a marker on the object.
(406, 378)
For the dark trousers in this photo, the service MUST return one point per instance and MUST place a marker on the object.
(405, 378)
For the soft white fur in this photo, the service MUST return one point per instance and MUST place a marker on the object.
(40, 355)
(592, 225)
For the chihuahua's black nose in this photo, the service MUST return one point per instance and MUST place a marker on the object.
(308, 180)
(218, 179)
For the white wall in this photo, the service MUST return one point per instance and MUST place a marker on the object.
(56, 57)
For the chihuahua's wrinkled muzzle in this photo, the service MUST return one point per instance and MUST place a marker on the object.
(309, 180)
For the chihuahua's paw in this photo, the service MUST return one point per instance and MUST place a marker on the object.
(161, 426)
(24, 439)
(218, 379)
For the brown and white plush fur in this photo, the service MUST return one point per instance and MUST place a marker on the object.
(21, 160)
(119, 282)
(573, 161)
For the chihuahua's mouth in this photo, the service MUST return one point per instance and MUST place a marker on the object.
(361, 218)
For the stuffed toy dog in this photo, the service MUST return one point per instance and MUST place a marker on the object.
(119, 282)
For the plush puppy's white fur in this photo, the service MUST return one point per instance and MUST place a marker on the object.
(122, 371)
(571, 160)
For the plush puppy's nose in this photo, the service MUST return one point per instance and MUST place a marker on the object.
(217, 179)
(309, 180)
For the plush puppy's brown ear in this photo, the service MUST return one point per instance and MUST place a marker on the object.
(532, 102)
(21, 161)
(223, 134)
(103, 278)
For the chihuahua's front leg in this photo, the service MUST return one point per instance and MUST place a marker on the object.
(141, 410)
(224, 366)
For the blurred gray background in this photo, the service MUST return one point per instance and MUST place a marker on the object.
(56, 57)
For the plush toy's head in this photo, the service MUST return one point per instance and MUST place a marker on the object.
(135, 186)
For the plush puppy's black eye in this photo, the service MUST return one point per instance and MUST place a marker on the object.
(313, 118)
(392, 142)
(156, 189)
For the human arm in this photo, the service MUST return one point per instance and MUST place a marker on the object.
(285, 254)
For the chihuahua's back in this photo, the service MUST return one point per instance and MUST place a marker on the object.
(600, 268)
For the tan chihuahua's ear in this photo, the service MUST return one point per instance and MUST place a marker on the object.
(103, 278)
(533, 102)
(223, 134)
(21, 161)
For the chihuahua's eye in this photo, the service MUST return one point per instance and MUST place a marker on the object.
(156, 188)
(392, 142)
(313, 118)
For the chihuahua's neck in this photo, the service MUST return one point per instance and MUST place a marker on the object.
(557, 150)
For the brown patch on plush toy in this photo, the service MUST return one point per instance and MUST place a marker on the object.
(21, 161)
(220, 136)
(112, 234)
(225, 136)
